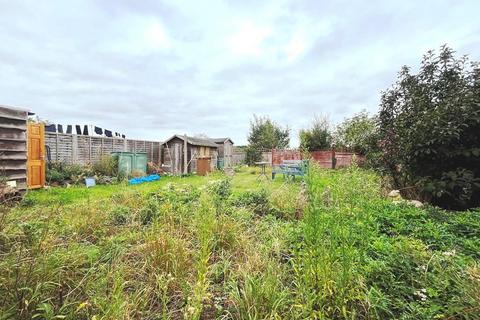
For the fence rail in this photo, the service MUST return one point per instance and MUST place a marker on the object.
(78, 149)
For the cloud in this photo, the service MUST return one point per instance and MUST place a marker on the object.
(155, 68)
(248, 39)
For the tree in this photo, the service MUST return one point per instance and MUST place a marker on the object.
(317, 137)
(265, 134)
(429, 130)
(358, 134)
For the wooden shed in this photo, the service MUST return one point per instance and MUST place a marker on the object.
(225, 152)
(13, 147)
(183, 154)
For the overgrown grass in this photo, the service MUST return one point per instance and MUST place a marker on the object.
(236, 247)
(360, 256)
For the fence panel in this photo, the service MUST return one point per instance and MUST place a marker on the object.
(80, 149)
(324, 158)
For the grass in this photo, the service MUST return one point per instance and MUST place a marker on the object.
(222, 247)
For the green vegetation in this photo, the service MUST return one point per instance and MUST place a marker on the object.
(429, 125)
(104, 171)
(222, 247)
(318, 137)
(265, 134)
(359, 134)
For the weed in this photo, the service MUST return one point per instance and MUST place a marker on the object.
(255, 200)
(120, 215)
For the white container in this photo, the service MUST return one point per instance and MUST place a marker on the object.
(89, 182)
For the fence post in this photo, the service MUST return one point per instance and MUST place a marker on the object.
(89, 149)
(74, 148)
(185, 155)
(125, 145)
(56, 147)
(334, 160)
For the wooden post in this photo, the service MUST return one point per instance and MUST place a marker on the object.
(56, 147)
(334, 160)
(185, 155)
(125, 145)
(101, 146)
(152, 154)
(90, 149)
(159, 153)
(74, 148)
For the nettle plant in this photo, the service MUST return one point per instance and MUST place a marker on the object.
(429, 130)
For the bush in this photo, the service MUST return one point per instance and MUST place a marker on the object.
(429, 124)
(255, 200)
(120, 215)
(106, 166)
(318, 137)
(359, 134)
(60, 172)
(220, 188)
(149, 212)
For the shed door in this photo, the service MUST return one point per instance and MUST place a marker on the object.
(203, 166)
(36, 155)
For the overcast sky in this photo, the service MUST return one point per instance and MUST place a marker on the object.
(151, 69)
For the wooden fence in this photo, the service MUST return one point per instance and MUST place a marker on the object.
(325, 158)
(78, 149)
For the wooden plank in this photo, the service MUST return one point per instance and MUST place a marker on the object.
(13, 156)
(13, 126)
(12, 166)
(13, 113)
(12, 146)
(16, 176)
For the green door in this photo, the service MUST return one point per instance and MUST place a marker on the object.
(140, 163)
(125, 164)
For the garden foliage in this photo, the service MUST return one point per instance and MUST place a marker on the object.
(429, 130)
(265, 135)
(234, 248)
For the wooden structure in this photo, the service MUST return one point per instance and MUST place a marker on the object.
(225, 152)
(183, 154)
(13, 147)
(35, 155)
(324, 158)
(80, 149)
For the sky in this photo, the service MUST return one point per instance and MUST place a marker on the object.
(151, 69)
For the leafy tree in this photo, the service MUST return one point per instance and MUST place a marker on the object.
(265, 134)
(429, 129)
(358, 134)
(318, 137)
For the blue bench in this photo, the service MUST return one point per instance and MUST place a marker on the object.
(291, 168)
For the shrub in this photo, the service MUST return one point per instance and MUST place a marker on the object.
(318, 137)
(149, 212)
(220, 188)
(264, 134)
(120, 215)
(429, 124)
(106, 166)
(60, 172)
(359, 134)
(255, 200)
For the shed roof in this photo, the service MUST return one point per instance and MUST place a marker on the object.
(221, 140)
(195, 141)
(16, 109)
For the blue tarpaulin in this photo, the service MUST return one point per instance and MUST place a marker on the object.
(150, 178)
